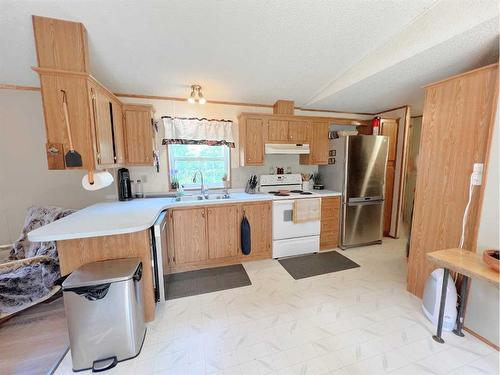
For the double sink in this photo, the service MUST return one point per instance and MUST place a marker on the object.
(190, 198)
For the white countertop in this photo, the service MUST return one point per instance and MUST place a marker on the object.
(110, 218)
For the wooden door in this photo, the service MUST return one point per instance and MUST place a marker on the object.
(299, 131)
(329, 235)
(277, 130)
(103, 126)
(189, 235)
(118, 131)
(138, 136)
(260, 219)
(254, 141)
(223, 229)
(457, 124)
(389, 128)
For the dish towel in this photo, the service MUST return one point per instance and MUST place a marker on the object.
(246, 238)
(306, 210)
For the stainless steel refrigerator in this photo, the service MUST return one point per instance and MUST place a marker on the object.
(358, 172)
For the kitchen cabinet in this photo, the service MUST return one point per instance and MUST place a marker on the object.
(95, 115)
(277, 130)
(319, 144)
(61, 44)
(209, 235)
(223, 229)
(139, 134)
(189, 231)
(251, 140)
(299, 131)
(389, 128)
(330, 214)
(259, 216)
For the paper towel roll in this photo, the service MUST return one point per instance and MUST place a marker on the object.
(101, 180)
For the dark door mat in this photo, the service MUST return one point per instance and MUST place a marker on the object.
(304, 266)
(208, 280)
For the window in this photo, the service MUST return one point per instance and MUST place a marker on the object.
(185, 160)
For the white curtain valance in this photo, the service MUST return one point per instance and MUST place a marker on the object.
(198, 131)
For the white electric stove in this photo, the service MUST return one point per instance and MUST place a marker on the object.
(290, 238)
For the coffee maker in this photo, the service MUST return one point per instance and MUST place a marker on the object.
(124, 186)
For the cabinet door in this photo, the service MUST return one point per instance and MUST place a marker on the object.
(318, 143)
(223, 229)
(277, 130)
(138, 137)
(329, 234)
(254, 142)
(118, 131)
(389, 189)
(79, 119)
(260, 219)
(389, 128)
(299, 131)
(103, 127)
(190, 235)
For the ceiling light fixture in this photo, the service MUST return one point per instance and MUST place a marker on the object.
(196, 95)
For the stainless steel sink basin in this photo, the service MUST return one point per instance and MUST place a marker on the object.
(210, 197)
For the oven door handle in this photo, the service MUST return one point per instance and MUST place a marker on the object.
(283, 202)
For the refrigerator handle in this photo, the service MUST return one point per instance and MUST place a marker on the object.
(366, 203)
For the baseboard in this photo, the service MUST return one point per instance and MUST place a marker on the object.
(481, 338)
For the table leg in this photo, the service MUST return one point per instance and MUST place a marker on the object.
(437, 337)
(463, 301)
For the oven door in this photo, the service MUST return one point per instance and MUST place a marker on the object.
(283, 225)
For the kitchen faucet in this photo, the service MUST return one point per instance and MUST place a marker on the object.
(203, 191)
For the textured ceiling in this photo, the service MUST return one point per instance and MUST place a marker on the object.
(317, 53)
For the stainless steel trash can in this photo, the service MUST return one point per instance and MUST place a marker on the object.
(103, 303)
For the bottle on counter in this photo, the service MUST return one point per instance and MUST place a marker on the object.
(139, 189)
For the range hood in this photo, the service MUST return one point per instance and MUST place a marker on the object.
(286, 149)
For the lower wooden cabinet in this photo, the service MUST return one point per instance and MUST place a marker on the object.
(223, 231)
(207, 236)
(260, 218)
(189, 235)
(330, 214)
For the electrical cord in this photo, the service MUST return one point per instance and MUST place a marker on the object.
(466, 212)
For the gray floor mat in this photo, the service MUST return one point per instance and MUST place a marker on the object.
(310, 265)
(208, 280)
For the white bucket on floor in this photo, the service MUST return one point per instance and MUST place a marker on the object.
(432, 299)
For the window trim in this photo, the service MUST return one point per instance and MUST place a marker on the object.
(196, 188)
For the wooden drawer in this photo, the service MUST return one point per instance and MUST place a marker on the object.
(329, 234)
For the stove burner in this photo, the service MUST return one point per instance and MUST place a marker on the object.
(305, 193)
(296, 191)
(281, 194)
(272, 192)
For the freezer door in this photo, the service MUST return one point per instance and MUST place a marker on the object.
(361, 223)
(366, 160)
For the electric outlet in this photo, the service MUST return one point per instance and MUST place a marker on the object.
(477, 174)
(144, 178)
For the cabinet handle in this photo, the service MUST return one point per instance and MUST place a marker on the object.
(203, 213)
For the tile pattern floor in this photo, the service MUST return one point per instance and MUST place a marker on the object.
(359, 321)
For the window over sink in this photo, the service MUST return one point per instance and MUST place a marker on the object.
(185, 159)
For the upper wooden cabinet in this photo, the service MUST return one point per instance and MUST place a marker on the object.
(299, 131)
(319, 145)
(95, 115)
(287, 131)
(61, 44)
(277, 130)
(139, 134)
(251, 137)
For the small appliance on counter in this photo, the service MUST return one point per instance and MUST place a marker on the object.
(124, 185)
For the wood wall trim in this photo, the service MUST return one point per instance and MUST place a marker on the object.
(460, 75)
(8, 86)
(403, 171)
(392, 109)
(481, 338)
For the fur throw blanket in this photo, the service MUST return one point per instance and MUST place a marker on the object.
(22, 285)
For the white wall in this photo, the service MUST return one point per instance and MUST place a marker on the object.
(25, 180)
(482, 314)
(24, 177)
